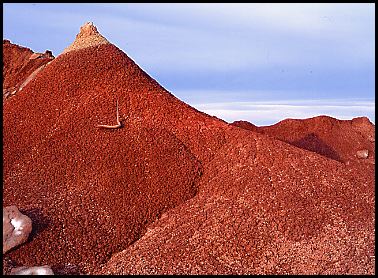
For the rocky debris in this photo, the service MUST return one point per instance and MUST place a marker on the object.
(361, 121)
(9, 92)
(371, 138)
(364, 127)
(16, 228)
(362, 154)
(34, 270)
(87, 37)
(67, 269)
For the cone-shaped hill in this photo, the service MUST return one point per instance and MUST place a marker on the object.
(176, 190)
(98, 188)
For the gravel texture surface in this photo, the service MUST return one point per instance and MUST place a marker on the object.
(95, 190)
(263, 207)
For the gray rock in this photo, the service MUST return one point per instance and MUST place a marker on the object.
(34, 270)
(16, 228)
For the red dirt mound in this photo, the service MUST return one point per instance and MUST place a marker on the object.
(20, 65)
(336, 139)
(97, 189)
(263, 207)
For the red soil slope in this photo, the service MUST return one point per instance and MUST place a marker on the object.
(20, 65)
(263, 207)
(177, 190)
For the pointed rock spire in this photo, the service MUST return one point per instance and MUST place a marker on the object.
(87, 37)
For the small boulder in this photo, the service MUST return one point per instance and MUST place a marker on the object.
(362, 154)
(16, 228)
(48, 54)
(34, 270)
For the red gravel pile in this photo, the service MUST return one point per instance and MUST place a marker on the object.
(95, 190)
(263, 207)
(19, 63)
(174, 190)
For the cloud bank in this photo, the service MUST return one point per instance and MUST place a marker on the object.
(263, 113)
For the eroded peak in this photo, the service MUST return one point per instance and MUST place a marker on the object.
(88, 29)
(87, 37)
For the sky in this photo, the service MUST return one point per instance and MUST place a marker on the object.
(256, 62)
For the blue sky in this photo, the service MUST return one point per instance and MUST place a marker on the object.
(257, 62)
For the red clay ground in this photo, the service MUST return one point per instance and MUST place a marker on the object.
(175, 190)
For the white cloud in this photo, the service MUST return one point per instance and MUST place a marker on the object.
(270, 112)
(226, 36)
(221, 36)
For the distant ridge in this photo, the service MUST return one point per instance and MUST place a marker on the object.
(336, 139)
(20, 66)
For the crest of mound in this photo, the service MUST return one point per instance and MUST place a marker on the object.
(87, 37)
(245, 125)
